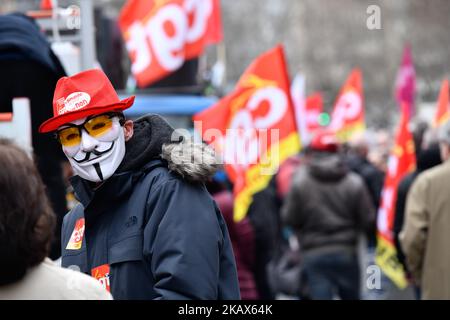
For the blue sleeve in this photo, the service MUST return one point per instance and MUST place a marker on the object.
(184, 241)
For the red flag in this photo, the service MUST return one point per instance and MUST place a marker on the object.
(402, 161)
(307, 110)
(347, 118)
(298, 100)
(161, 34)
(443, 108)
(214, 33)
(405, 85)
(313, 108)
(253, 128)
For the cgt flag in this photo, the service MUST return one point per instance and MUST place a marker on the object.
(299, 103)
(402, 161)
(253, 128)
(347, 118)
(307, 110)
(313, 109)
(443, 108)
(161, 34)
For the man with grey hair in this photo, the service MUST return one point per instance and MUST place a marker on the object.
(425, 235)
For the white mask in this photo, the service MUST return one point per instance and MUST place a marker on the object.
(96, 159)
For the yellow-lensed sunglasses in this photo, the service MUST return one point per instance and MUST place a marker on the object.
(95, 126)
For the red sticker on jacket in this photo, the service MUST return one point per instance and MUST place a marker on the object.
(101, 274)
(76, 239)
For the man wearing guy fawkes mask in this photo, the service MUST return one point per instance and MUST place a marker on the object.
(145, 227)
(101, 148)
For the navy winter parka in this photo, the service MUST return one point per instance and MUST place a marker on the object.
(152, 231)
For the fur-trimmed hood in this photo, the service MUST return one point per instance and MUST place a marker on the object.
(154, 138)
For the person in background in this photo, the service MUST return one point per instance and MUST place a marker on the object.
(420, 131)
(380, 149)
(30, 69)
(241, 235)
(424, 237)
(270, 238)
(263, 215)
(358, 162)
(427, 158)
(328, 206)
(26, 231)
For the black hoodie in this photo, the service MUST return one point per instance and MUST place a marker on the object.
(152, 231)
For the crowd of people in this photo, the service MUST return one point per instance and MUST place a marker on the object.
(326, 198)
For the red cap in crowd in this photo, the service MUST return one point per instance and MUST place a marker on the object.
(324, 140)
